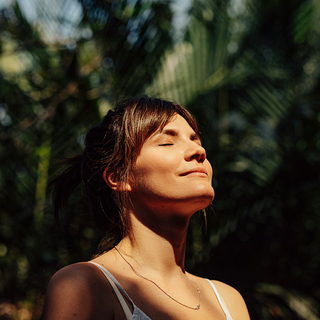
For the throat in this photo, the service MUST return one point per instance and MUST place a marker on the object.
(153, 255)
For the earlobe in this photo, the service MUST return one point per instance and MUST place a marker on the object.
(114, 184)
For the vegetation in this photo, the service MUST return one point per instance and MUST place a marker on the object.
(249, 71)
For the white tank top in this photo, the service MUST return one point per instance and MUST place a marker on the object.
(138, 314)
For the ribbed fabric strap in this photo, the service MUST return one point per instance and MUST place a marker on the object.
(123, 303)
(221, 301)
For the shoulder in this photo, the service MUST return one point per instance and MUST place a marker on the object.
(77, 291)
(75, 278)
(234, 301)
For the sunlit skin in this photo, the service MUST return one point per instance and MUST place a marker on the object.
(171, 176)
(169, 182)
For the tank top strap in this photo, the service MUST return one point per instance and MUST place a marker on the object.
(116, 286)
(221, 301)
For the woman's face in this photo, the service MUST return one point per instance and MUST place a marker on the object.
(171, 171)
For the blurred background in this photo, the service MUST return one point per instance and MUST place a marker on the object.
(247, 69)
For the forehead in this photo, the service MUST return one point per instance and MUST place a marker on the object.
(178, 122)
(155, 127)
(176, 126)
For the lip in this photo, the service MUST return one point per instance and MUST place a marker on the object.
(195, 171)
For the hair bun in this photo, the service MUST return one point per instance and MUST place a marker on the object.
(109, 117)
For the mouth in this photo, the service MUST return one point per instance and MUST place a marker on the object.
(196, 172)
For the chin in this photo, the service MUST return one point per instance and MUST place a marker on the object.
(202, 201)
(207, 199)
(205, 193)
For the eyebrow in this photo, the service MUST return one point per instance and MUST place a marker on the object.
(175, 133)
(170, 132)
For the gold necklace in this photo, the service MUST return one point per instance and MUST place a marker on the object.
(141, 276)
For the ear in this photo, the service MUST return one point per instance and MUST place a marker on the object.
(114, 184)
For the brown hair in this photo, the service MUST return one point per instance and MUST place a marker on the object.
(113, 146)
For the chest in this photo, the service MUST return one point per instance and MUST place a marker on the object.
(157, 305)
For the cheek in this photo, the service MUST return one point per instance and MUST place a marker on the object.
(153, 173)
(209, 168)
(156, 163)
(142, 175)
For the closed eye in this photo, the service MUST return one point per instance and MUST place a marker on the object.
(166, 144)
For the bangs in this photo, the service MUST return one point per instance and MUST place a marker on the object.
(148, 116)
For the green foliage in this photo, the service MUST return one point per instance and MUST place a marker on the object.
(51, 93)
(249, 71)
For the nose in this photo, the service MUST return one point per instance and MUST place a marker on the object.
(195, 152)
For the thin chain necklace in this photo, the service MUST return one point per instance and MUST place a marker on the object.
(141, 276)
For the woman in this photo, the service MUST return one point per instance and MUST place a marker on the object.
(145, 174)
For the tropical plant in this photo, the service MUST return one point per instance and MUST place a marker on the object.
(52, 88)
(248, 70)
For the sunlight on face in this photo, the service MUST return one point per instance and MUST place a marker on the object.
(172, 171)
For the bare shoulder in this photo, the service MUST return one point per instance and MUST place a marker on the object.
(77, 291)
(79, 271)
(234, 301)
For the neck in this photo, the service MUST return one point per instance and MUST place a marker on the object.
(157, 247)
